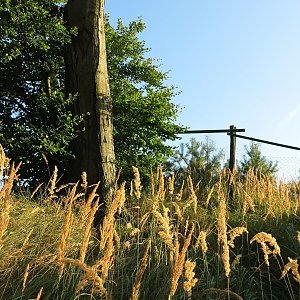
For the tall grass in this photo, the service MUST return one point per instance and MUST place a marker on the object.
(166, 243)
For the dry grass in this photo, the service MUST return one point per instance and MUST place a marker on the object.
(222, 233)
(101, 262)
(179, 262)
(141, 271)
(292, 265)
(268, 245)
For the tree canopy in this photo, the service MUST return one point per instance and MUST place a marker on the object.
(36, 123)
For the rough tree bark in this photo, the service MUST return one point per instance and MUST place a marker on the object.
(86, 77)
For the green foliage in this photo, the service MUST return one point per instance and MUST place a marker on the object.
(35, 119)
(34, 115)
(143, 115)
(254, 160)
(200, 160)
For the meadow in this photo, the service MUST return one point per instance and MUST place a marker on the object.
(173, 240)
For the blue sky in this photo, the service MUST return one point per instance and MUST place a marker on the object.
(235, 62)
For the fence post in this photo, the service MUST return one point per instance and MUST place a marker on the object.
(232, 132)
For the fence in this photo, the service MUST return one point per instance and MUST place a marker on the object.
(232, 133)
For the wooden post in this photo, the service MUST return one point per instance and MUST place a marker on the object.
(232, 161)
(232, 148)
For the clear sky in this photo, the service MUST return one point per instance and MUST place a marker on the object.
(235, 61)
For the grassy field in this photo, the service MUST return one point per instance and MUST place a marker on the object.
(169, 242)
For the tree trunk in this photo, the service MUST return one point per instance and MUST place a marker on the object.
(86, 77)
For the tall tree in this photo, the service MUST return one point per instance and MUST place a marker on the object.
(87, 78)
(36, 122)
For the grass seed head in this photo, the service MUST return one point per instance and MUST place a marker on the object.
(179, 263)
(268, 245)
(171, 181)
(292, 265)
(234, 233)
(189, 274)
(141, 271)
(201, 240)
(137, 182)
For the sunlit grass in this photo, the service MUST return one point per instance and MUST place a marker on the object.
(165, 243)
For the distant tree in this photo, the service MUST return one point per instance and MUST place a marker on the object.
(201, 160)
(254, 160)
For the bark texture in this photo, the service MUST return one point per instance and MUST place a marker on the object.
(87, 77)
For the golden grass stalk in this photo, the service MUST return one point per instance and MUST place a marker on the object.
(126, 245)
(84, 183)
(264, 238)
(179, 263)
(5, 195)
(192, 197)
(87, 231)
(27, 238)
(107, 233)
(222, 234)
(106, 261)
(52, 185)
(39, 295)
(4, 161)
(137, 182)
(186, 227)
(247, 203)
(166, 228)
(140, 274)
(36, 190)
(25, 276)
(298, 236)
(135, 231)
(88, 204)
(236, 261)
(108, 223)
(8, 184)
(189, 274)
(117, 239)
(177, 211)
(90, 276)
(178, 196)
(201, 240)
(144, 219)
(291, 265)
(152, 185)
(234, 233)
(129, 226)
(171, 181)
(209, 196)
(160, 195)
(66, 230)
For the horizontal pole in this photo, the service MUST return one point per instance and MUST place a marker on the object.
(212, 131)
(265, 142)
